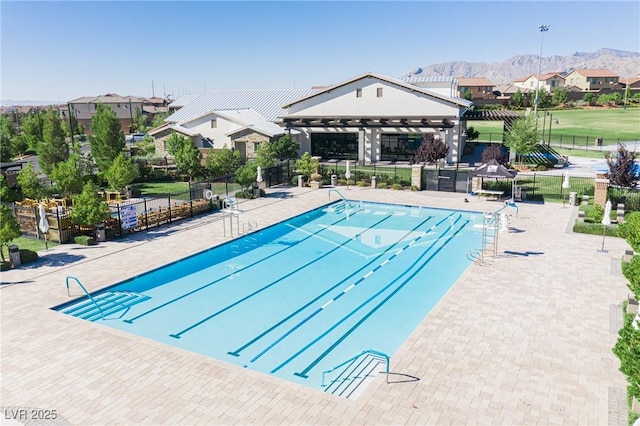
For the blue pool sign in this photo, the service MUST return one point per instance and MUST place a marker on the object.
(128, 217)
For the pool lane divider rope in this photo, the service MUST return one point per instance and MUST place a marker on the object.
(324, 293)
(315, 362)
(260, 290)
(231, 274)
(345, 291)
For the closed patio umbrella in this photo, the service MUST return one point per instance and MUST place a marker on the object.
(259, 178)
(606, 221)
(43, 224)
(347, 174)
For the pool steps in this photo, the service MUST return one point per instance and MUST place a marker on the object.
(104, 304)
(357, 370)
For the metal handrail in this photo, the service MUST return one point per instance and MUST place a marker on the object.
(337, 192)
(85, 292)
(370, 351)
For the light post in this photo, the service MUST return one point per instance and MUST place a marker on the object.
(543, 29)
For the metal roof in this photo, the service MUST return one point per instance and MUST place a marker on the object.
(436, 79)
(267, 103)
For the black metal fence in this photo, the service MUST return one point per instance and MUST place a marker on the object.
(589, 143)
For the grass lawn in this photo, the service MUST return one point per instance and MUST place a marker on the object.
(161, 189)
(27, 243)
(578, 127)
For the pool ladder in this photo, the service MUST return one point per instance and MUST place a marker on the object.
(357, 369)
(85, 292)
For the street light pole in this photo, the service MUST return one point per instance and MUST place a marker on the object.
(543, 29)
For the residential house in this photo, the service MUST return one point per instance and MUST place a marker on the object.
(237, 119)
(592, 79)
(124, 106)
(479, 87)
(548, 82)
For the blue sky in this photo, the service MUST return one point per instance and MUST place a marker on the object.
(60, 51)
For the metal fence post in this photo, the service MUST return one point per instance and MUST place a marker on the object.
(169, 204)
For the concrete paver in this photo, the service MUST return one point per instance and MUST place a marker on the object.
(523, 339)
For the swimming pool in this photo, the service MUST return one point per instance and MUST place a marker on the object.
(300, 297)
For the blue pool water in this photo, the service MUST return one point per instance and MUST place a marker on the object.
(304, 295)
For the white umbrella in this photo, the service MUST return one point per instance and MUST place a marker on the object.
(43, 224)
(259, 178)
(347, 174)
(565, 185)
(606, 221)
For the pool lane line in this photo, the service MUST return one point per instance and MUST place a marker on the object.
(328, 241)
(260, 290)
(302, 308)
(130, 321)
(315, 362)
(371, 298)
(374, 296)
(346, 290)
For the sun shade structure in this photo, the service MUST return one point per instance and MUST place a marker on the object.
(492, 169)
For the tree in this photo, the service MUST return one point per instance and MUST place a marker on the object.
(521, 138)
(493, 152)
(139, 121)
(627, 349)
(72, 122)
(54, 148)
(622, 168)
(7, 195)
(431, 150)
(307, 165)
(285, 148)
(265, 155)
(29, 182)
(517, 99)
(223, 162)
(543, 99)
(472, 134)
(9, 228)
(158, 119)
(468, 95)
(121, 173)
(589, 98)
(107, 140)
(32, 129)
(246, 175)
(560, 96)
(88, 207)
(147, 146)
(7, 133)
(68, 176)
(188, 157)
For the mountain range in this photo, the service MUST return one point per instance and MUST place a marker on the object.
(623, 63)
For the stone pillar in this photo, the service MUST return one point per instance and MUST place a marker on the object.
(416, 175)
(476, 183)
(601, 184)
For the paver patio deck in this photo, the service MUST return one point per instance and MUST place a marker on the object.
(524, 340)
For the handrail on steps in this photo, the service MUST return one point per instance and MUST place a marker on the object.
(85, 292)
(370, 351)
(337, 192)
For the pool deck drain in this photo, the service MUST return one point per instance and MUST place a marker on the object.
(525, 339)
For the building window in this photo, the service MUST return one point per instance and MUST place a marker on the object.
(117, 105)
(256, 146)
(379, 92)
(358, 93)
(214, 123)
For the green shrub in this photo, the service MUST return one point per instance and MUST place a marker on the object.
(631, 271)
(361, 183)
(5, 266)
(594, 214)
(381, 185)
(595, 229)
(84, 240)
(414, 188)
(396, 186)
(28, 256)
(630, 230)
(244, 194)
(342, 181)
(627, 349)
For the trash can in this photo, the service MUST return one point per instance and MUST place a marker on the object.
(334, 180)
(14, 255)
(100, 233)
(256, 191)
(373, 182)
(598, 141)
(573, 198)
(300, 181)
